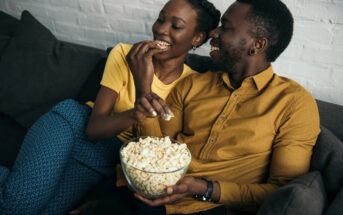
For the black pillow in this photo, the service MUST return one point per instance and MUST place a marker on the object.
(327, 158)
(38, 71)
(304, 195)
(4, 40)
(8, 24)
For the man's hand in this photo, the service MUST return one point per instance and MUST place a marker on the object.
(152, 105)
(140, 62)
(187, 187)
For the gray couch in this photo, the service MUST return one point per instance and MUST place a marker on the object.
(43, 57)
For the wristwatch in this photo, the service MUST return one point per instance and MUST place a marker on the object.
(208, 194)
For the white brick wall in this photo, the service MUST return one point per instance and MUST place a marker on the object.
(314, 58)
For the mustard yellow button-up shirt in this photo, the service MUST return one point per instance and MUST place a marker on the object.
(251, 140)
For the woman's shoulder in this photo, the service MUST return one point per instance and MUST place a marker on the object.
(121, 48)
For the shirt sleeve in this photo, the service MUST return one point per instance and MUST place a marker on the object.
(115, 68)
(291, 155)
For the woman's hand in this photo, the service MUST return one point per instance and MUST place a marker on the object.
(140, 62)
(187, 187)
(152, 105)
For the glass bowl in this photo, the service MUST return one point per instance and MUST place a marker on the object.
(151, 184)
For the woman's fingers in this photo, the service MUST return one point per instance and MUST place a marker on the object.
(147, 106)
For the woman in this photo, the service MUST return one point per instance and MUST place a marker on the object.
(57, 164)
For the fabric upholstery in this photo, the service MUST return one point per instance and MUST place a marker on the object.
(327, 158)
(331, 116)
(11, 136)
(38, 71)
(336, 207)
(303, 195)
(8, 24)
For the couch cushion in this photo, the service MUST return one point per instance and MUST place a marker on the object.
(327, 158)
(8, 24)
(11, 137)
(331, 116)
(304, 195)
(336, 207)
(38, 71)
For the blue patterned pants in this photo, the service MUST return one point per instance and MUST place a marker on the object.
(56, 166)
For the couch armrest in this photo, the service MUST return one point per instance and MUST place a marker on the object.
(304, 195)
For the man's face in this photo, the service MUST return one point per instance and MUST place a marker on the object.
(231, 41)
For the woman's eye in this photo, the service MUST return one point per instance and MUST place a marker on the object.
(176, 27)
(159, 20)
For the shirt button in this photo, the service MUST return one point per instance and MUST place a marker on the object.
(212, 140)
(236, 95)
(223, 117)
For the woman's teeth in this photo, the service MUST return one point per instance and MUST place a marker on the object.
(163, 45)
(214, 48)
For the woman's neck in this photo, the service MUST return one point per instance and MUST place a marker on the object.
(169, 70)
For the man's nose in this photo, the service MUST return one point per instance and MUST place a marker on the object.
(214, 33)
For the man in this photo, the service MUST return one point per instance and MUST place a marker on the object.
(250, 131)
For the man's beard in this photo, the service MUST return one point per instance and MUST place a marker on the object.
(231, 57)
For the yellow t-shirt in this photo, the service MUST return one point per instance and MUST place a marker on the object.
(251, 140)
(118, 77)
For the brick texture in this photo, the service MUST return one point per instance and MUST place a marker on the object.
(314, 58)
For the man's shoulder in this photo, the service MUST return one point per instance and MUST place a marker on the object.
(293, 90)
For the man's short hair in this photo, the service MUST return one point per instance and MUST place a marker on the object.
(273, 20)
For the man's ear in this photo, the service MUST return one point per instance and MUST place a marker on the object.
(259, 46)
(199, 39)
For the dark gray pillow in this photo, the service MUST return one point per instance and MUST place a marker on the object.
(304, 195)
(336, 207)
(38, 71)
(8, 24)
(327, 158)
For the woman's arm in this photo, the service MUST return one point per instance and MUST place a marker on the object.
(101, 124)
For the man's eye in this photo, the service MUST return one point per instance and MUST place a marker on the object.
(159, 20)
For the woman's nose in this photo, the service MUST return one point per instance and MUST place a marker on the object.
(214, 33)
(162, 28)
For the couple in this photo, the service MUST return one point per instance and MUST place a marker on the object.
(250, 131)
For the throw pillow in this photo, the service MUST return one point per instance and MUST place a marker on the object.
(327, 158)
(4, 40)
(38, 71)
(304, 195)
(8, 24)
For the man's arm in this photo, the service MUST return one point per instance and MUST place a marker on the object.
(291, 155)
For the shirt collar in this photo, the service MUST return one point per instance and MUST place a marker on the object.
(259, 80)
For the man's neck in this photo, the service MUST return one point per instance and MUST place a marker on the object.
(243, 71)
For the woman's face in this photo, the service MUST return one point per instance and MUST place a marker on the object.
(176, 26)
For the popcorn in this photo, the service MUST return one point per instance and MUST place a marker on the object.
(154, 164)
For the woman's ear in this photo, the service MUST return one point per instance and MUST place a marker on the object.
(199, 39)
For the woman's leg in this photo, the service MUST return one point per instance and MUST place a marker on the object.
(36, 172)
(56, 165)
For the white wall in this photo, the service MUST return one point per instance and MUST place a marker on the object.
(314, 57)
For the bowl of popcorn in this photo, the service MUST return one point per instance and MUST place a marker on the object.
(151, 164)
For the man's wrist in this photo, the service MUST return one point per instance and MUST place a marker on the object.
(205, 190)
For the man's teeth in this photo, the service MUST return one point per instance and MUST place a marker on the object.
(214, 48)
